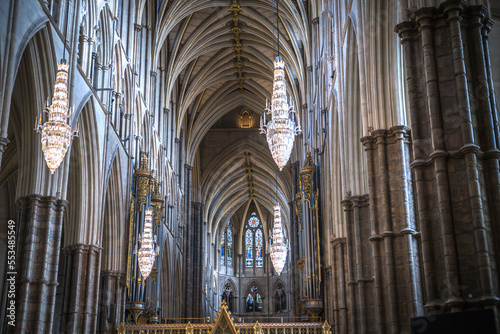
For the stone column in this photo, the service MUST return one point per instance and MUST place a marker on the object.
(360, 284)
(394, 237)
(196, 270)
(112, 301)
(81, 290)
(338, 295)
(455, 155)
(188, 249)
(39, 228)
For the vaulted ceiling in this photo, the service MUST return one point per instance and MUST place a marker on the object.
(209, 82)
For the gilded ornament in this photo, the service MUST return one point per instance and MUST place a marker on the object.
(129, 255)
(309, 166)
(142, 190)
(143, 176)
(306, 179)
(298, 205)
(301, 263)
(237, 46)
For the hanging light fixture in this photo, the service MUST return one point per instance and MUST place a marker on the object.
(278, 248)
(281, 129)
(149, 249)
(56, 131)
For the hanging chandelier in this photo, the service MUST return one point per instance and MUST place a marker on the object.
(278, 248)
(281, 129)
(149, 249)
(56, 131)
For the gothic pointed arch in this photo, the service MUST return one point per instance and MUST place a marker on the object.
(229, 293)
(279, 297)
(253, 297)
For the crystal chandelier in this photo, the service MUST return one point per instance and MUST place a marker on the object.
(281, 129)
(56, 131)
(278, 248)
(149, 250)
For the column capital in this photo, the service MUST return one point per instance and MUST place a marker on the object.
(425, 16)
(456, 5)
(407, 31)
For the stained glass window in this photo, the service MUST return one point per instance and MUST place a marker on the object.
(253, 222)
(254, 242)
(229, 246)
(259, 248)
(249, 248)
(226, 246)
(222, 240)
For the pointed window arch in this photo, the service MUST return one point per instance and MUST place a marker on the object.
(259, 248)
(226, 246)
(254, 242)
(222, 247)
(229, 253)
(248, 248)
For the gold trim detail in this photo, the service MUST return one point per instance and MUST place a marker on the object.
(249, 174)
(309, 166)
(237, 46)
(306, 173)
(157, 204)
(301, 263)
(143, 176)
(298, 205)
(130, 230)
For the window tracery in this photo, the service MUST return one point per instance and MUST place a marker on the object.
(226, 246)
(254, 242)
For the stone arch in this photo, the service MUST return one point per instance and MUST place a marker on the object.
(355, 159)
(114, 215)
(229, 293)
(279, 297)
(253, 289)
(12, 64)
(84, 187)
(33, 85)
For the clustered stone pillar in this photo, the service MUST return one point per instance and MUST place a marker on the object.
(112, 300)
(338, 285)
(360, 285)
(188, 250)
(196, 244)
(393, 234)
(456, 154)
(81, 290)
(39, 238)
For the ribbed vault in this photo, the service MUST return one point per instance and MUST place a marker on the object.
(202, 80)
(225, 182)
